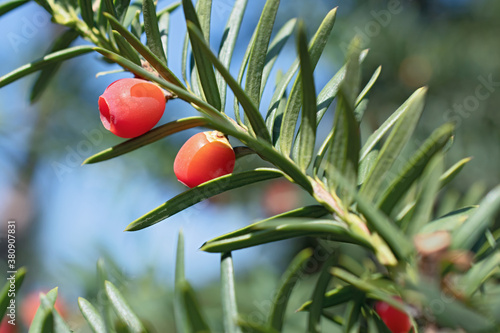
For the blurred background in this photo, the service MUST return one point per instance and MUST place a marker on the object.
(68, 216)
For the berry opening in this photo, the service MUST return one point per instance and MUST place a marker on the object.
(104, 110)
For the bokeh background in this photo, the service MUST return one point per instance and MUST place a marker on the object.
(68, 216)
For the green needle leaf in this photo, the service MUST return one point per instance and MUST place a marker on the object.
(427, 195)
(398, 138)
(352, 80)
(465, 236)
(153, 37)
(330, 90)
(180, 262)
(292, 110)
(480, 273)
(204, 14)
(334, 297)
(241, 73)
(274, 50)
(197, 322)
(491, 244)
(150, 57)
(321, 153)
(273, 120)
(352, 312)
(260, 45)
(135, 24)
(376, 324)
(379, 222)
(316, 307)
(278, 95)
(202, 192)
(390, 122)
(249, 107)
(164, 26)
(324, 100)
(314, 211)
(60, 326)
(369, 85)
(279, 229)
(242, 151)
(184, 60)
(121, 7)
(169, 9)
(344, 148)
(43, 62)
(101, 23)
(87, 12)
(48, 72)
(122, 309)
(203, 65)
(453, 313)
(453, 171)
(397, 241)
(229, 306)
(152, 136)
(288, 281)
(366, 165)
(308, 123)
(11, 5)
(371, 289)
(181, 319)
(43, 322)
(450, 221)
(105, 305)
(228, 42)
(126, 49)
(326, 97)
(92, 316)
(414, 168)
(109, 7)
(4, 293)
(360, 109)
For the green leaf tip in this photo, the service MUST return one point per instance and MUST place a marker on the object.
(154, 135)
(203, 191)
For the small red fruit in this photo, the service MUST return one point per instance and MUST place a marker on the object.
(131, 107)
(397, 321)
(203, 157)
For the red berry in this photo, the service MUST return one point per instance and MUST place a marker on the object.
(203, 157)
(397, 321)
(131, 107)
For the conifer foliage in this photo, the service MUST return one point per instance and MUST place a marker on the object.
(437, 271)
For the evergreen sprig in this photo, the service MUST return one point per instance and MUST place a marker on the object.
(391, 218)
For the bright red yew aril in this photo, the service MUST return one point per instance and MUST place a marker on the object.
(203, 157)
(131, 107)
(397, 321)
